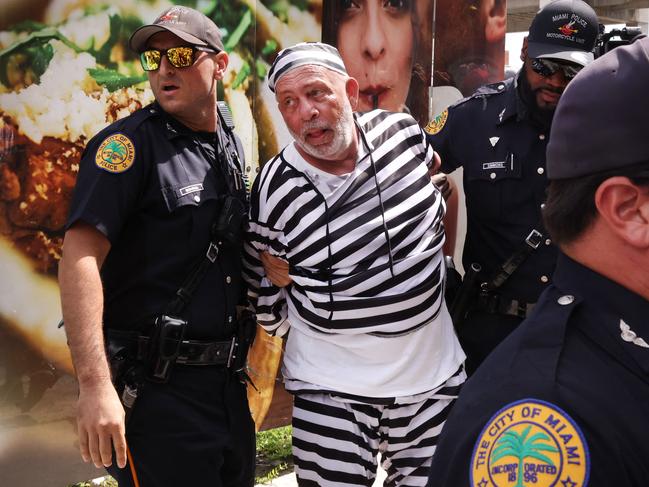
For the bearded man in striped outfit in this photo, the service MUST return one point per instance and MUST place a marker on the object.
(350, 210)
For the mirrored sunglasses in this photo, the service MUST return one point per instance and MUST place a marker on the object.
(547, 68)
(178, 57)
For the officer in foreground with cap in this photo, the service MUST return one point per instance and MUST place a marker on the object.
(150, 275)
(563, 400)
(499, 136)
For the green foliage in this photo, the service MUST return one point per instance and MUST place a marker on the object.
(227, 15)
(270, 47)
(274, 456)
(235, 37)
(275, 444)
(280, 7)
(243, 73)
(27, 26)
(272, 474)
(261, 67)
(114, 80)
(107, 481)
(102, 55)
(33, 51)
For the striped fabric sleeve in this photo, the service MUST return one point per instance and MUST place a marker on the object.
(268, 300)
(428, 152)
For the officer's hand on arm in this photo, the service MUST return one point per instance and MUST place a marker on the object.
(100, 415)
(437, 162)
(276, 270)
(444, 184)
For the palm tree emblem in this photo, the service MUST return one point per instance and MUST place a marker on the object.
(518, 445)
(114, 152)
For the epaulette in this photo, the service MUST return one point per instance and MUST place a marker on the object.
(138, 117)
(485, 91)
(131, 123)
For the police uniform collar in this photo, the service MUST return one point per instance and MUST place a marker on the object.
(522, 109)
(174, 128)
(614, 296)
(614, 300)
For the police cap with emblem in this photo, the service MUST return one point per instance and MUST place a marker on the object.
(564, 30)
(601, 120)
(188, 24)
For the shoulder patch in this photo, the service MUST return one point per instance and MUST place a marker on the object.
(115, 154)
(436, 125)
(530, 443)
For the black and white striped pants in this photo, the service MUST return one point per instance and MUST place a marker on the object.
(336, 440)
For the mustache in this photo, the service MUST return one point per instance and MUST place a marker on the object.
(558, 91)
(314, 125)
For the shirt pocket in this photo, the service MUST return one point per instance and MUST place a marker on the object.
(490, 183)
(188, 194)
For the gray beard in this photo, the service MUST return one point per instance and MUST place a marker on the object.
(343, 130)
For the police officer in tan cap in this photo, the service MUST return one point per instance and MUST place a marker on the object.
(563, 400)
(150, 285)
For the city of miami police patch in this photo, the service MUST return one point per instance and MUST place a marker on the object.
(115, 154)
(530, 443)
(437, 124)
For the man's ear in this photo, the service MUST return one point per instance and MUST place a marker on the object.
(352, 90)
(624, 206)
(495, 14)
(221, 61)
(524, 50)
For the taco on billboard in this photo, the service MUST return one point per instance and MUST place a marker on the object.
(64, 76)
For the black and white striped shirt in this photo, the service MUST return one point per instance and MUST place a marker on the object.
(366, 257)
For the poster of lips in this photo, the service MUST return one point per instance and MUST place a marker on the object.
(399, 49)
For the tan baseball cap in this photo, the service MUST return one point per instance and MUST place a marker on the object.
(188, 24)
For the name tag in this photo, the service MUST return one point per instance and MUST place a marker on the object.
(194, 188)
(494, 165)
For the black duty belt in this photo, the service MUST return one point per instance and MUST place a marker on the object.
(494, 303)
(190, 352)
(196, 352)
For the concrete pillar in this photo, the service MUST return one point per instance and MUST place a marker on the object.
(642, 16)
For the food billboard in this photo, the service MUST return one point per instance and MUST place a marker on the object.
(65, 73)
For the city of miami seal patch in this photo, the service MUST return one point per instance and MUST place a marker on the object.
(115, 154)
(530, 443)
(437, 124)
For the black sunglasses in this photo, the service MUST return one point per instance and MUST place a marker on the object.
(547, 68)
(178, 57)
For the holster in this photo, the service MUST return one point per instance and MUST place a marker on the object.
(466, 293)
(127, 372)
(163, 348)
(245, 336)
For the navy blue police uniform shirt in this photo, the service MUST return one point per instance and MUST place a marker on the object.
(491, 135)
(153, 188)
(563, 401)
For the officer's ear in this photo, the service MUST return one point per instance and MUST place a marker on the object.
(624, 207)
(352, 90)
(221, 61)
(495, 14)
(524, 50)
